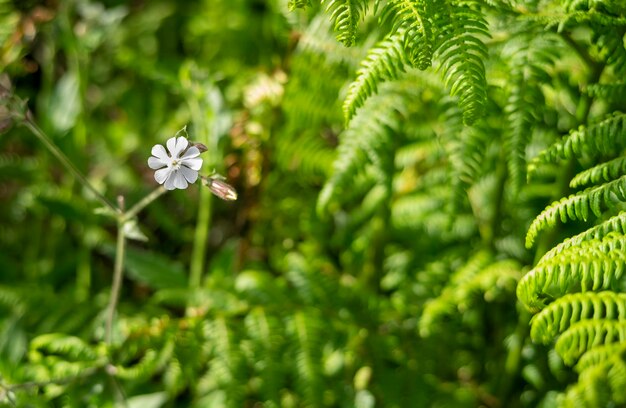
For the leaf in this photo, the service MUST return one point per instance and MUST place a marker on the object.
(64, 105)
(154, 400)
(132, 231)
(149, 268)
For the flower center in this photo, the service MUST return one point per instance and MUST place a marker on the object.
(176, 164)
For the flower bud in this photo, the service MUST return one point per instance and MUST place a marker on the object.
(5, 114)
(12, 108)
(220, 188)
(200, 146)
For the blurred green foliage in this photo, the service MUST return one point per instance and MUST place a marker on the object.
(380, 154)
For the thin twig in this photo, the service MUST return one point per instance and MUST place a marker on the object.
(117, 275)
(135, 209)
(56, 152)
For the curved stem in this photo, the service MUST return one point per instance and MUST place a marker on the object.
(136, 209)
(56, 152)
(117, 280)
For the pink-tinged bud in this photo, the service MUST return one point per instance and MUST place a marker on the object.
(6, 119)
(221, 189)
(200, 146)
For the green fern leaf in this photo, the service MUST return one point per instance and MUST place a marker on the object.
(578, 207)
(599, 355)
(601, 138)
(226, 366)
(69, 347)
(579, 268)
(298, 4)
(615, 92)
(602, 172)
(461, 54)
(384, 62)
(478, 276)
(571, 308)
(610, 40)
(266, 333)
(616, 224)
(414, 18)
(530, 58)
(585, 335)
(152, 361)
(346, 15)
(602, 385)
(366, 142)
(305, 329)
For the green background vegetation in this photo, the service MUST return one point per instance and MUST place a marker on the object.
(393, 238)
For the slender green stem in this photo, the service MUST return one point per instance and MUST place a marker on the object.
(136, 209)
(41, 135)
(200, 239)
(117, 280)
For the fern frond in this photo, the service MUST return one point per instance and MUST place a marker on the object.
(603, 385)
(602, 172)
(571, 308)
(173, 377)
(445, 303)
(346, 15)
(384, 62)
(599, 355)
(318, 39)
(226, 366)
(413, 17)
(266, 333)
(616, 224)
(68, 347)
(144, 369)
(529, 62)
(610, 40)
(478, 276)
(587, 267)
(610, 6)
(298, 4)
(585, 335)
(367, 141)
(423, 212)
(615, 92)
(578, 207)
(601, 138)
(147, 362)
(467, 151)
(305, 329)
(461, 54)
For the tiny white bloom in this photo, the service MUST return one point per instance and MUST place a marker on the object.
(179, 167)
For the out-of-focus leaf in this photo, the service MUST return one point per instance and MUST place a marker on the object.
(64, 105)
(154, 400)
(151, 269)
(13, 342)
(132, 231)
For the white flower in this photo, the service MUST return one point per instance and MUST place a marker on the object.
(179, 167)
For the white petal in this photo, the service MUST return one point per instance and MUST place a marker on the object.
(191, 152)
(190, 175)
(159, 152)
(179, 147)
(194, 163)
(169, 183)
(161, 175)
(156, 163)
(171, 145)
(179, 180)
